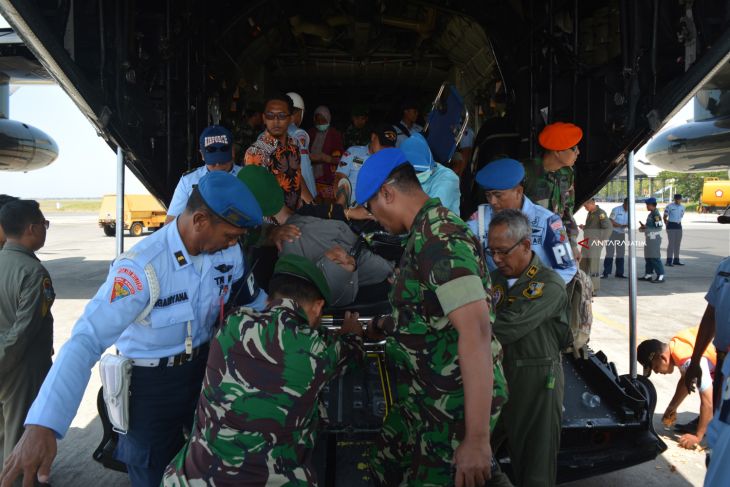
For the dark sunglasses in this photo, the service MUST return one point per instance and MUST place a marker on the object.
(222, 148)
(45, 223)
(276, 115)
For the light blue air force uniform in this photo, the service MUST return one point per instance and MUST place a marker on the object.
(184, 188)
(350, 164)
(718, 436)
(186, 295)
(442, 183)
(301, 137)
(719, 297)
(549, 237)
(674, 212)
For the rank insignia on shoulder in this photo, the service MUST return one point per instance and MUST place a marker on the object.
(180, 258)
(532, 271)
(533, 290)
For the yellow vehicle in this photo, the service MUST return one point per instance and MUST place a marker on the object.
(715, 195)
(140, 211)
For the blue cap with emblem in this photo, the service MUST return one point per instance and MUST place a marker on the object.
(418, 153)
(216, 145)
(650, 201)
(375, 172)
(230, 199)
(501, 174)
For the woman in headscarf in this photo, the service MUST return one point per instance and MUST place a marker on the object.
(325, 150)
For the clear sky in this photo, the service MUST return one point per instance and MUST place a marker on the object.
(86, 165)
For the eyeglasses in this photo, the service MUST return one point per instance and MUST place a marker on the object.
(494, 253)
(276, 115)
(222, 148)
(45, 223)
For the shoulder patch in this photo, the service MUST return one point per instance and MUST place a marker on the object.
(532, 271)
(49, 295)
(601, 216)
(533, 290)
(121, 289)
(180, 258)
(131, 275)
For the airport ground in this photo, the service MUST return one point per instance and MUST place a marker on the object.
(77, 254)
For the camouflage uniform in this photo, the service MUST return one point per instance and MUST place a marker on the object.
(257, 418)
(555, 191)
(532, 326)
(356, 136)
(596, 229)
(441, 270)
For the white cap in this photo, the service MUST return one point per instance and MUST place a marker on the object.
(297, 99)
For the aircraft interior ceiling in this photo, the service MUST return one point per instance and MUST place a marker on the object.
(151, 75)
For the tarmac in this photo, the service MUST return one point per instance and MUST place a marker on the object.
(78, 255)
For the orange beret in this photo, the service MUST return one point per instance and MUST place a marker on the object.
(560, 136)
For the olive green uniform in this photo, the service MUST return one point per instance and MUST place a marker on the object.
(26, 338)
(532, 326)
(597, 229)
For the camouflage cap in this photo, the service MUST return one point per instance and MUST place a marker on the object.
(303, 268)
(264, 187)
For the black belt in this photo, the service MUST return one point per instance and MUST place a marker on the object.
(175, 360)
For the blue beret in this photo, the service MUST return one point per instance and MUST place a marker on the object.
(650, 201)
(375, 171)
(501, 174)
(418, 153)
(216, 144)
(230, 199)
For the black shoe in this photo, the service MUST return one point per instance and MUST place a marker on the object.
(659, 279)
(621, 276)
(669, 264)
(677, 263)
(647, 277)
(690, 427)
(604, 276)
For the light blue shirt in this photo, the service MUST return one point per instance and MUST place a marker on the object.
(718, 436)
(442, 183)
(184, 188)
(350, 164)
(185, 295)
(301, 137)
(719, 297)
(549, 237)
(621, 217)
(674, 212)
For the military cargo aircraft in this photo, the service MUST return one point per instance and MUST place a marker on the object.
(151, 75)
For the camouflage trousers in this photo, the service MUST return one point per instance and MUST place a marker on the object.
(412, 452)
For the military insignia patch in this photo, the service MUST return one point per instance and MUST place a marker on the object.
(533, 290)
(497, 294)
(180, 258)
(121, 289)
(532, 271)
(601, 216)
(49, 295)
(223, 268)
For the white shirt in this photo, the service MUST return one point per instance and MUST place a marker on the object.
(350, 164)
(185, 188)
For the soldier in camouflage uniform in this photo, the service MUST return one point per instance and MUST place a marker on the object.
(532, 326)
(438, 339)
(358, 133)
(550, 180)
(257, 418)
